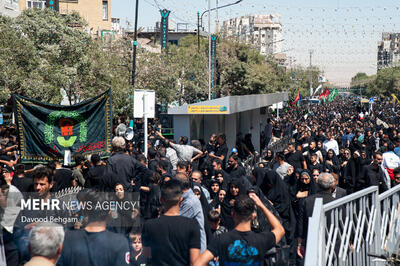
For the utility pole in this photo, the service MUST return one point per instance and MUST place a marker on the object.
(216, 14)
(209, 50)
(311, 88)
(198, 31)
(135, 45)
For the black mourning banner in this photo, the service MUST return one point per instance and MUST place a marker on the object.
(46, 131)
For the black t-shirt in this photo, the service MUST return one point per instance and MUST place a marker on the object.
(295, 159)
(170, 239)
(97, 180)
(62, 179)
(153, 165)
(141, 260)
(222, 150)
(24, 184)
(101, 248)
(277, 132)
(238, 173)
(242, 248)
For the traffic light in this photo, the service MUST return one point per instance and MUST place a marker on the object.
(52, 4)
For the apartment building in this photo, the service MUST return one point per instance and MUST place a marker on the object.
(388, 50)
(262, 32)
(97, 13)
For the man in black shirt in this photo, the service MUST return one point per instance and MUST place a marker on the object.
(94, 245)
(221, 150)
(152, 159)
(235, 170)
(123, 168)
(373, 175)
(241, 246)
(96, 178)
(295, 158)
(23, 183)
(171, 239)
(62, 176)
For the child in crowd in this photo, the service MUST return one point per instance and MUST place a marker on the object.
(137, 257)
(215, 220)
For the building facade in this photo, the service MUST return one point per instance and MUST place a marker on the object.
(262, 32)
(9, 8)
(388, 50)
(97, 13)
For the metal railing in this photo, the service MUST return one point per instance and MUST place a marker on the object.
(347, 230)
(279, 145)
(389, 221)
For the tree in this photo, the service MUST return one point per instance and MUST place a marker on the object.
(384, 83)
(51, 52)
(45, 53)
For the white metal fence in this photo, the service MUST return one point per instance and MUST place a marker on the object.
(345, 231)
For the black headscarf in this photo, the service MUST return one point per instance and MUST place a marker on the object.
(214, 195)
(259, 173)
(311, 187)
(226, 207)
(275, 189)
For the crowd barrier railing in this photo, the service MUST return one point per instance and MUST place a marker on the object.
(348, 230)
(279, 145)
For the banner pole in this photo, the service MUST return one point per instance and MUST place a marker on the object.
(145, 125)
(277, 111)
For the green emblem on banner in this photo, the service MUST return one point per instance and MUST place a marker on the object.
(66, 123)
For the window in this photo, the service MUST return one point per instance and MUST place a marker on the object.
(105, 10)
(35, 4)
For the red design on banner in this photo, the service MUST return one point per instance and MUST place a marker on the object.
(91, 146)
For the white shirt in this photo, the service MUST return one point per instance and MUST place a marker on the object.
(389, 160)
(172, 157)
(12, 209)
(331, 144)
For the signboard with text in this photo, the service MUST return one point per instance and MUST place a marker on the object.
(207, 109)
(164, 28)
(213, 58)
(144, 101)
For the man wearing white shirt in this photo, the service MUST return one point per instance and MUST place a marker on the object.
(331, 143)
(390, 161)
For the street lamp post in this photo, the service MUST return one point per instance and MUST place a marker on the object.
(209, 50)
(311, 88)
(135, 45)
(198, 31)
(200, 23)
(209, 37)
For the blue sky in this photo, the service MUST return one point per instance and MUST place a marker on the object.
(342, 34)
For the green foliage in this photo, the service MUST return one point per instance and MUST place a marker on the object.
(44, 53)
(384, 83)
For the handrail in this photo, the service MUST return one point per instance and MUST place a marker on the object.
(313, 249)
(336, 203)
(390, 192)
(362, 218)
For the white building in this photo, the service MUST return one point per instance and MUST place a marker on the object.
(116, 25)
(263, 32)
(388, 50)
(9, 8)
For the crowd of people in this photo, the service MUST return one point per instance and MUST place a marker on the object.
(197, 205)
